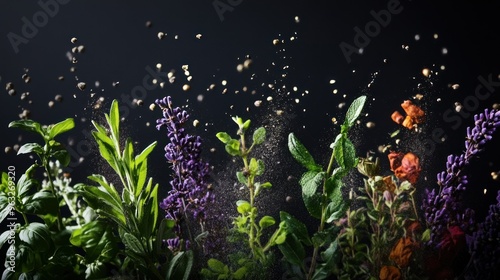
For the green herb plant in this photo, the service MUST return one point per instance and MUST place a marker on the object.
(41, 247)
(323, 198)
(372, 231)
(134, 212)
(247, 223)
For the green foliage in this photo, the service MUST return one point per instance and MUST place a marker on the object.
(133, 212)
(41, 247)
(247, 223)
(322, 195)
(372, 231)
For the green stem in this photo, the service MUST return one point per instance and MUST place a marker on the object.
(53, 190)
(312, 268)
(25, 218)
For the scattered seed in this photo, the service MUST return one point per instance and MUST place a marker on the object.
(140, 102)
(9, 86)
(455, 86)
(60, 78)
(288, 199)
(196, 123)
(370, 124)
(149, 24)
(161, 35)
(297, 19)
(186, 87)
(74, 40)
(81, 86)
(152, 106)
(247, 63)
(58, 98)
(198, 36)
(276, 42)
(81, 49)
(239, 68)
(426, 72)
(12, 92)
(51, 104)
(8, 149)
(257, 103)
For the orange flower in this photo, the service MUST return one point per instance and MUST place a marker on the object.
(389, 272)
(401, 253)
(405, 167)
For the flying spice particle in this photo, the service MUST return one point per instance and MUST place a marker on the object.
(161, 35)
(186, 87)
(81, 86)
(426, 72)
(74, 40)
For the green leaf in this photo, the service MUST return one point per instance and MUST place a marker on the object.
(266, 221)
(354, 111)
(333, 188)
(243, 206)
(28, 125)
(62, 156)
(96, 238)
(310, 181)
(336, 210)
(25, 186)
(180, 266)
(259, 136)
(238, 121)
(5, 207)
(30, 147)
(246, 125)
(233, 147)
(114, 119)
(313, 205)
(132, 243)
(293, 250)
(344, 152)
(241, 178)
(37, 235)
(60, 127)
(295, 227)
(240, 273)
(300, 153)
(218, 266)
(144, 154)
(223, 137)
(41, 203)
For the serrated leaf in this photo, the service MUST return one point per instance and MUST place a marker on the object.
(301, 154)
(310, 181)
(61, 127)
(344, 152)
(295, 227)
(354, 111)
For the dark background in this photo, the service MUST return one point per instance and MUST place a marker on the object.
(119, 47)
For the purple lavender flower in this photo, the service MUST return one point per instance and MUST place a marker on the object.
(484, 245)
(445, 208)
(190, 191)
